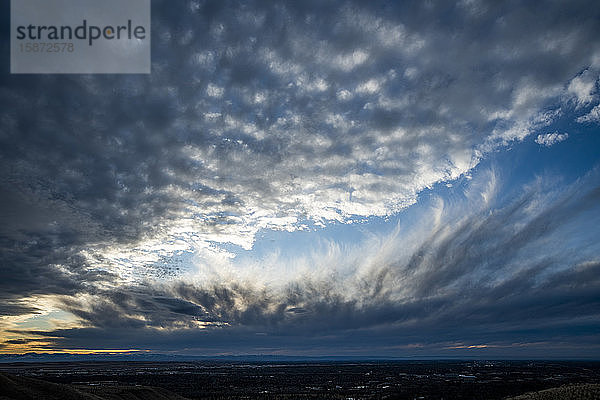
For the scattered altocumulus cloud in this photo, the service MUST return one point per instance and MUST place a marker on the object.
(592, 116)
(583, 87)
(548, 139)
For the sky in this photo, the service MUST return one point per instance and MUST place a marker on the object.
(318, 178)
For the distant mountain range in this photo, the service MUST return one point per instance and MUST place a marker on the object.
(135, 356)
(47, 357)
(158, 357)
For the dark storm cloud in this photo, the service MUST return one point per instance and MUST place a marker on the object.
(15, 307)
(259, 115)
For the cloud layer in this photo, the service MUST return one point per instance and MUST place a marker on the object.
(288, 116)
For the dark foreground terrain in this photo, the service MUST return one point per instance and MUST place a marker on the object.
(22, 388)
(301, 380)
(568, 392)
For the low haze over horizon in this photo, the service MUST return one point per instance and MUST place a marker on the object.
(368, 179)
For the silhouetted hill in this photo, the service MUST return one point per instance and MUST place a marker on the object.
(20, 388)
(569, 392)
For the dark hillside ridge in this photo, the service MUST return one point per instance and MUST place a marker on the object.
(568, 392)
(21, 388)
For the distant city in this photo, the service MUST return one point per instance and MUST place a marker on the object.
(424, 379)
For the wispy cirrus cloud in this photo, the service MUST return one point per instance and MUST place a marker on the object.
(476, 269)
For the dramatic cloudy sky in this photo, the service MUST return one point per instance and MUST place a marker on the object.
(314, 178)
